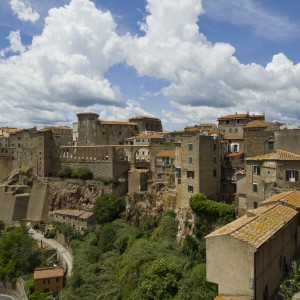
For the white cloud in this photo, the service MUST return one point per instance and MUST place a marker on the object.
(64, 70)
(15, 42)
(24, 11)
(263, 22)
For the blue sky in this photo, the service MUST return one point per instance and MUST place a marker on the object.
(184, 61)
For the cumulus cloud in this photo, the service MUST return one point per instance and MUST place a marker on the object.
(64, 70)
(15, 42)
(24, 11)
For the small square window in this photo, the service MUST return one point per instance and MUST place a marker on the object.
(190, 189)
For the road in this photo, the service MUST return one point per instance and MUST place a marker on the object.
(67, 258)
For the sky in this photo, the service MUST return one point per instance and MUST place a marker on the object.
(184, 61)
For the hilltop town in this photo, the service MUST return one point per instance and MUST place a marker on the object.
(242, 160)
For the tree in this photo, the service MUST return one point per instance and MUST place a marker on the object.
(65, 172)
(2, 225)
(108, 208)
(159, 282)
(291, 285)
(85, 173)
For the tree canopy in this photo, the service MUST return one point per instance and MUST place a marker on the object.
(108, 208)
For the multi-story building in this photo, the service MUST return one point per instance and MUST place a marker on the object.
(36, 150)
(197, 167)
(249, 257)
(78, 219)
(147, 123)
(236, 123)
(268, 174)
(48, 280)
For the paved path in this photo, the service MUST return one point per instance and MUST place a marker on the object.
(62, 251)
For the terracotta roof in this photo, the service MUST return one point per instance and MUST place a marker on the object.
(166, 153)
(69, 212)
(116, 123)
(262, 223)
(240, 116)
(277, 155)
(234, 154)
(291, 198)
(143, 117)
(145, 136)
(232, 136)
(258, 124)
(44, 273)
(10, 129)
(260, 229)
(86, 215)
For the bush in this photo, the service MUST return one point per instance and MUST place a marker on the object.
(65, 172)
(108, 208)
(221, 212)
(85, 173)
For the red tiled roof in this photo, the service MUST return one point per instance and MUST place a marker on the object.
(116, 123)
(258, 124)
(166, 153)
(277, 155)
(234, 154)
(233, 136)
(44, 273)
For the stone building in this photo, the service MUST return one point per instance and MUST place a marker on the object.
(259, 137)
(236, 123)
(147, 123)
(197, 167)
(79, 220)
(94, 132)
(250, 256)
(63, 135)
(268, 174)
(34, 149)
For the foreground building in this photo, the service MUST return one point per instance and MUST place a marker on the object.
(249, 256)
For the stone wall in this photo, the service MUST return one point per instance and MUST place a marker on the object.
(37, 207)
(5, 167)
(288, 140)
(15, 290)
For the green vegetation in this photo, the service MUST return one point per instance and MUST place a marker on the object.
(291, 285)
(108, 207)
(18, 254)
(80, 173)
(210, 214)
(121, 261)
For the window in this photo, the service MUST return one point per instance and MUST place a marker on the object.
(57, 279)
(215, 160)
(292, 175)
(46, 290)
(190, 174)
(270, 145)
(256, 170)
(190, 146)
(215, 146)
(190, 159)
(254, 205)
(215, 173)
(254, 187)
(190, 189)
(46, 281)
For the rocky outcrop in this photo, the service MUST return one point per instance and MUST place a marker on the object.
(77, 194)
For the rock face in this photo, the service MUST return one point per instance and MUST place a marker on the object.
(78, 194)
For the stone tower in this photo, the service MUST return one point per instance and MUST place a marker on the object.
(87, 128)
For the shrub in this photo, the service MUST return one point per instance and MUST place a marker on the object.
(85, 173)
(108, 208)
(65, 172)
